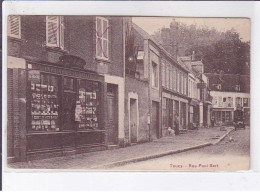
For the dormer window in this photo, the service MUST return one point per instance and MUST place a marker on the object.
(237, 88)
(217, 86)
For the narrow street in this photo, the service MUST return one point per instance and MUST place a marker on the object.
(232, 153)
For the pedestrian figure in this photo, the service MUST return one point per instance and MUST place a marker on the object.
(212, 121)
(176, 124)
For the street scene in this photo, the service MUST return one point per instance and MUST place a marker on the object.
(128, 93)
(231, 152)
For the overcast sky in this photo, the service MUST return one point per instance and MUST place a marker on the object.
(152, 24)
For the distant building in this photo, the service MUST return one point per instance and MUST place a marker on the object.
(229, 92)
(198, 91)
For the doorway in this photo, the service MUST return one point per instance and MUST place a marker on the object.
(112, 114)
(133, 120)
(155, 120)
(69, 104)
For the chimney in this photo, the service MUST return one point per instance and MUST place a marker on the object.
(165, 34)
(193, 56)
(169, 42)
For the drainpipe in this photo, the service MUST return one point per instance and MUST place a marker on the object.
(149, 87)
(124, 58)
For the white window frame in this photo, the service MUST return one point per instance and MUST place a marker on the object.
(9, 27)
(59, 32)
(103, 57)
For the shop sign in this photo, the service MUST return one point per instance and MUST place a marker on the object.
(34, 75)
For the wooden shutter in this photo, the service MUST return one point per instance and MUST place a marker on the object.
(52, 31)
(98, 37)
(62, 28)
(105, 38)
(14, 26)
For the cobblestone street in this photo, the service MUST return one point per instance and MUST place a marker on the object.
(106, 159)
(231, 154)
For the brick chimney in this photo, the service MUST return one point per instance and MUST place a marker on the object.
(193, 56)
(169, 42)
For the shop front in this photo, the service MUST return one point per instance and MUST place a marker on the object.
(173, 105)
(63, 111)
(193, 113)
(222, 116)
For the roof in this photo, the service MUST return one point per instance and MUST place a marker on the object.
(147, 36)
(229, 82)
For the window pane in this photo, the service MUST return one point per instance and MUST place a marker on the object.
(80, 113)
(99, 27)
(105, 48)
(105, 30)
(45, 104)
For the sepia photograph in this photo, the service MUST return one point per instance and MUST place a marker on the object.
(128, 93)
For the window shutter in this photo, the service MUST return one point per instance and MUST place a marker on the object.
(105, 38)
(52, 31)
(98, 39)
(14, 26)
(62, 28)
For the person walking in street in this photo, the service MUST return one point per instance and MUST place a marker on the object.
(176, 124)
(212, 121)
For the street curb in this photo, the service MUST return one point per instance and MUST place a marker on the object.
(223, 136)
(143, 158)
(148, 157)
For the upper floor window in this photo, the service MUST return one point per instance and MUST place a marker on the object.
(102, 38)
(174, 79)
(154, 75)
(230, 102)
(163, 73)
(215, 100)
(170, 80)
(185, 85)
(14, 26)
(167, 76)
(238, 102)
(55, 31)
(245, 102)
(178, 82)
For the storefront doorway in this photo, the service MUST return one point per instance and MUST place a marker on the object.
(69, 104)
(112, 114)
(155, 120)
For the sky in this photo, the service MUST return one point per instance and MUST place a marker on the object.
(241, 25)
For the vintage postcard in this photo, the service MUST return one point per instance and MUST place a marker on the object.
(128, 93)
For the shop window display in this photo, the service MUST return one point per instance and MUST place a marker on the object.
(44, 101)
(87, 105)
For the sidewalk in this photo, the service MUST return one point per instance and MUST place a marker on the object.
(110, 158)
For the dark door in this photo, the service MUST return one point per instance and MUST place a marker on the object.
(155, 120)
(112, 107)
(69, 104)
(68, 109)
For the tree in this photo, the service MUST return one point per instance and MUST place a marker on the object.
(219, 51)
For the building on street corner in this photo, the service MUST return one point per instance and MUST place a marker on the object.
(65, 85)
(229, 92)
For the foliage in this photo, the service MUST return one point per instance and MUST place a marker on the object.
(219, 51)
